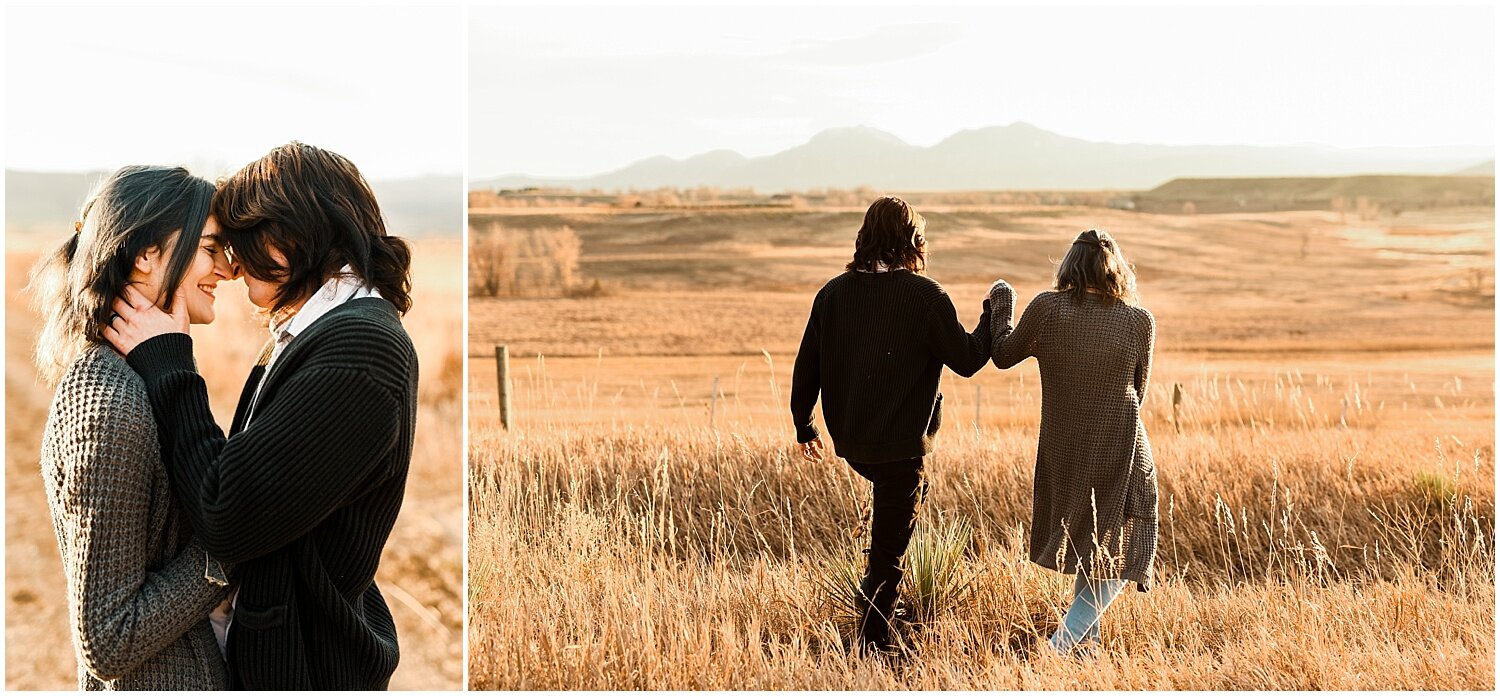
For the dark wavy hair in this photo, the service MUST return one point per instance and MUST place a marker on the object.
(134, 209)
(1095, 262)
(315, 208)
(891, 235)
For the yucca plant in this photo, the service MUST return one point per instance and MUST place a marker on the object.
(937, 579)
(839, 584)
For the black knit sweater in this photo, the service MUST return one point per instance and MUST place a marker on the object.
(875, 347)
(303, 498)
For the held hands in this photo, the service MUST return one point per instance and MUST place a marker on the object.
(812, 450)
(1000, 289)
(999, 302)
(137, 320)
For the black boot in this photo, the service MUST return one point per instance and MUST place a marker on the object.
(878, 606)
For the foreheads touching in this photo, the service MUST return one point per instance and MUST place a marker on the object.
(296, 216)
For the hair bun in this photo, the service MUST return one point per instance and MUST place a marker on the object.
(1093, 237)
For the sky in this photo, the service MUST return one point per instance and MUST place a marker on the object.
(215, 88)
(575, 91)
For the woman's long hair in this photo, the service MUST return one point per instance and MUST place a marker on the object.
(74, 287)
(892, 236)
(315, 208)
(1095, 262)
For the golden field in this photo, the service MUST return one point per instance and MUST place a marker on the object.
(1327, 482)
(421, 572)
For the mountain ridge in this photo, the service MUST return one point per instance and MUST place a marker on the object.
(40, 201)
(1015, 156)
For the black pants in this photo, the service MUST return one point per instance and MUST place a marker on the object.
(899, 490)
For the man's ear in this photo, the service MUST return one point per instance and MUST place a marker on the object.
(146, 261)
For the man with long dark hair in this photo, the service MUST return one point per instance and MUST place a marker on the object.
(875, 345)
(304, 491)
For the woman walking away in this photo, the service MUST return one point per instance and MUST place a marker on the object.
(1094, 507)
(140, 586)
(875, 345)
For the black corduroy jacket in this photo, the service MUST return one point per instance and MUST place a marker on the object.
(874, 348)
(304, 497)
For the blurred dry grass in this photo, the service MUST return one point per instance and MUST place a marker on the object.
(1222, 283)
(421, 571)
(1327, 508)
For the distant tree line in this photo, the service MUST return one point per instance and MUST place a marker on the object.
(1364, 197)
(512, 262)
(708, 197)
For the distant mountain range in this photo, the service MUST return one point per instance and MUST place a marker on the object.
(1481, 169)
(1018, 156)
(44, 202)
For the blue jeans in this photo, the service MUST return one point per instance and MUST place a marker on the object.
(1081, 624)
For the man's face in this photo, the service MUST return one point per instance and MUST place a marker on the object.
(263, 292)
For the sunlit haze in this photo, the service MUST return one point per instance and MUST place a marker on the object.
(571, 91)
(214, 88)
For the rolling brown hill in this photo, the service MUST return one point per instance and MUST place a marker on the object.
(1318, 193)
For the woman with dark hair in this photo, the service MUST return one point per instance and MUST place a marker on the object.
(304, 490)
(1094, 508)
(140, 588)
(875, 345)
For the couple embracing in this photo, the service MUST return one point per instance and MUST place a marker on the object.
(200, 560)
(875, 346)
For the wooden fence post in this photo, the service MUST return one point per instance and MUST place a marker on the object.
(502, 378)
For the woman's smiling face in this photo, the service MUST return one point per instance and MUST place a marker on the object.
(210, 265)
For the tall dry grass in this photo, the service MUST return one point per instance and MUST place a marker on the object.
(1295, 553)
(1327, 478)
(421, 570)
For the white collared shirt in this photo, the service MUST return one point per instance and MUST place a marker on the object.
(341, 288)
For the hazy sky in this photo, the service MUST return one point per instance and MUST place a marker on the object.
(214, 88)
(575, 91)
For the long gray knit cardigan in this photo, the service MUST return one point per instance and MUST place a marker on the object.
(139, 591)
(1094, 497)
